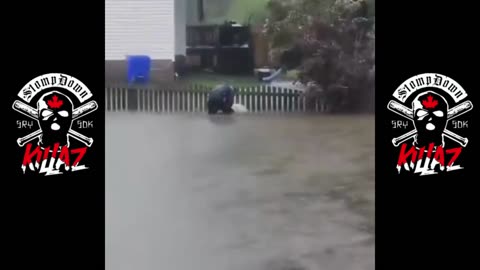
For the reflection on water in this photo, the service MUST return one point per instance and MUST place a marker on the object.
(239, 191)
(220, 119)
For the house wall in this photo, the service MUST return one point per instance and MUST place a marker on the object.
(180, 27)
(145, 27)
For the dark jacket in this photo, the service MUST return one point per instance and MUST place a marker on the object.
(222, 96)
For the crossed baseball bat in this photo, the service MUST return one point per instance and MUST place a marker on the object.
(451, 114)
(76, 114)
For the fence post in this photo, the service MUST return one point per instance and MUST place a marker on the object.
(280, 105)
(295, 101)
(118, 91)
(304, 102)
(107, 89)
(184, 100)
(111, 99)
(242, 96)
(147, 100)
(235, 95)
(181, 106)
(144, 100)
(157, 100)
(162, 100)
(253, 98)
(248, 100)
(186, 105)
(125, 99)
(167, 101)
(236, 99)
(259, 98)
(177, 99)
(196, 103)
(170, 99)
(139, 100)
(131, 99)
(268, 99)
(180, 100)
(204, 97)
(122, 99)
(194, 99)
(274, 99)
(263, 98)
(115, 98)
(199, 100)
(150, 100)
(290, 100)
(190, 100)
(154, 100)
(152, 96)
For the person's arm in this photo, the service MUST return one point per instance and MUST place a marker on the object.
(229, 97)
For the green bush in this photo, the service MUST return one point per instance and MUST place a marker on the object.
(332, 43)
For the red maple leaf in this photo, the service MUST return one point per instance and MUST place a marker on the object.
(55, 103)
(430, 103)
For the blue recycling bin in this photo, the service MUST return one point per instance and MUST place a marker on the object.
(138, 70)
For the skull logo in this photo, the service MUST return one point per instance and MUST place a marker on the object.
(430, 119)
(55, 118)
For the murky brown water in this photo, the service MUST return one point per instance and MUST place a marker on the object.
(255, 192)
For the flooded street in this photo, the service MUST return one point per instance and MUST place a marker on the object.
(256, 192)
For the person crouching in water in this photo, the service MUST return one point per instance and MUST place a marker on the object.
(221, 99)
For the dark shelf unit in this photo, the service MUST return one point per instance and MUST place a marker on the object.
(222, 48)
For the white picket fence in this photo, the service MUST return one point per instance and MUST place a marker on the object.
(172, 99)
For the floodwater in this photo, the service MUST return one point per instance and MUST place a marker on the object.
(256, 192)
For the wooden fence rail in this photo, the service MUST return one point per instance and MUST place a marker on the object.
(257, 99)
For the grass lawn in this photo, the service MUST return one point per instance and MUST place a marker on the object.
(219, 11)
(240, 10)
(213, 79)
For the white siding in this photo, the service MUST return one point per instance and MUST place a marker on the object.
(139, 27)
(180, 27)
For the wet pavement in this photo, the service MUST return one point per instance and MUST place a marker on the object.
(256, 192)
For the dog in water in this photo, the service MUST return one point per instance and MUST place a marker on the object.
(239, 108)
